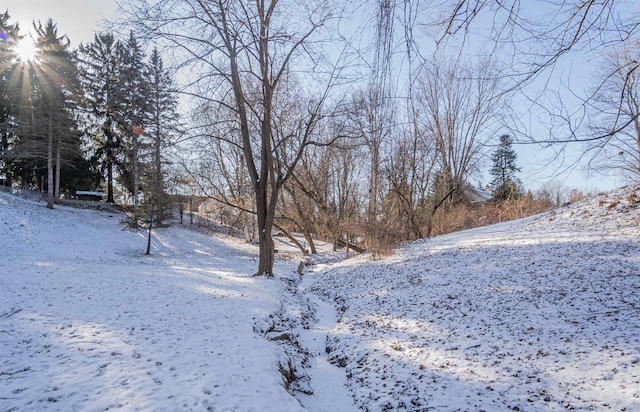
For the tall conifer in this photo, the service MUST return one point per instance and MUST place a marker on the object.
(505, 184)
(101, 72)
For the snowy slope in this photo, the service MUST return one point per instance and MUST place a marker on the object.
(533, 315)
(87, 322)
(539, 314)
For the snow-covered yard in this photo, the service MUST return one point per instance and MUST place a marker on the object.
(539, 314)
(88, 322)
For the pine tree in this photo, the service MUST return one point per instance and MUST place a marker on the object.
(56, 74)
(505, 184)
(46, 137)
(101, 64)
(9, 36)
(133, 113)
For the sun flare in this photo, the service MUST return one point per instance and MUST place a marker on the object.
(26, 50)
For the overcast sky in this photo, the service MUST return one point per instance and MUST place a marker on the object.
(78, 19)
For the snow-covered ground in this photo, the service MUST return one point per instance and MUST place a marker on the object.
(539, 314)
(88, 322)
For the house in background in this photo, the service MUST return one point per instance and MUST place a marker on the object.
(476, 195)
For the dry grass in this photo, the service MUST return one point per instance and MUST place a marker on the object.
(384, 236)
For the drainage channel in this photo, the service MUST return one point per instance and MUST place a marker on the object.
(330, 393)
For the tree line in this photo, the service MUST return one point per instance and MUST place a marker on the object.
(86, 118)
(284, 139)
(304, 127)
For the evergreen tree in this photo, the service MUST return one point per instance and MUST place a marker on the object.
(163, 125)
(133, 113)
(43, 96)
(101, 73)
(9, 37)
(505, 184)
(56, 75)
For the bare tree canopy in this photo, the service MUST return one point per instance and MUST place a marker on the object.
(240, 57)
(539, 33)
(556, 45)
(615, 106)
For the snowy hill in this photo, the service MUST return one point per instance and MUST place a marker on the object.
(538, 314)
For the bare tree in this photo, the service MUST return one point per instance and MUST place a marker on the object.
(220, 169)
(371, 117)
(373, 111)
(410, 172)
(459, 103)
(534, 37)
(614, 109)
(330, 178)
(246, 50)
(555, 192)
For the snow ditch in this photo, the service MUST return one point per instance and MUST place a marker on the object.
(329, 381)
(301, 327)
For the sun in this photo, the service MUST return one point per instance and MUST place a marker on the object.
(26, 50)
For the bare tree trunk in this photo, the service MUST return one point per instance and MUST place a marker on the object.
(291, 238)
(435, 208)
(136, 172)
(302, 220)
(310, 241)
(373, 182)
(56, 193)
(4, 145)
(191, 210)
(247, 227)
(110, 182)
(265, 239)
(50, 183)
(347, 246)
(148, 252)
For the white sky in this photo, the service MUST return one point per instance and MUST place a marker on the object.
(78, 19)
